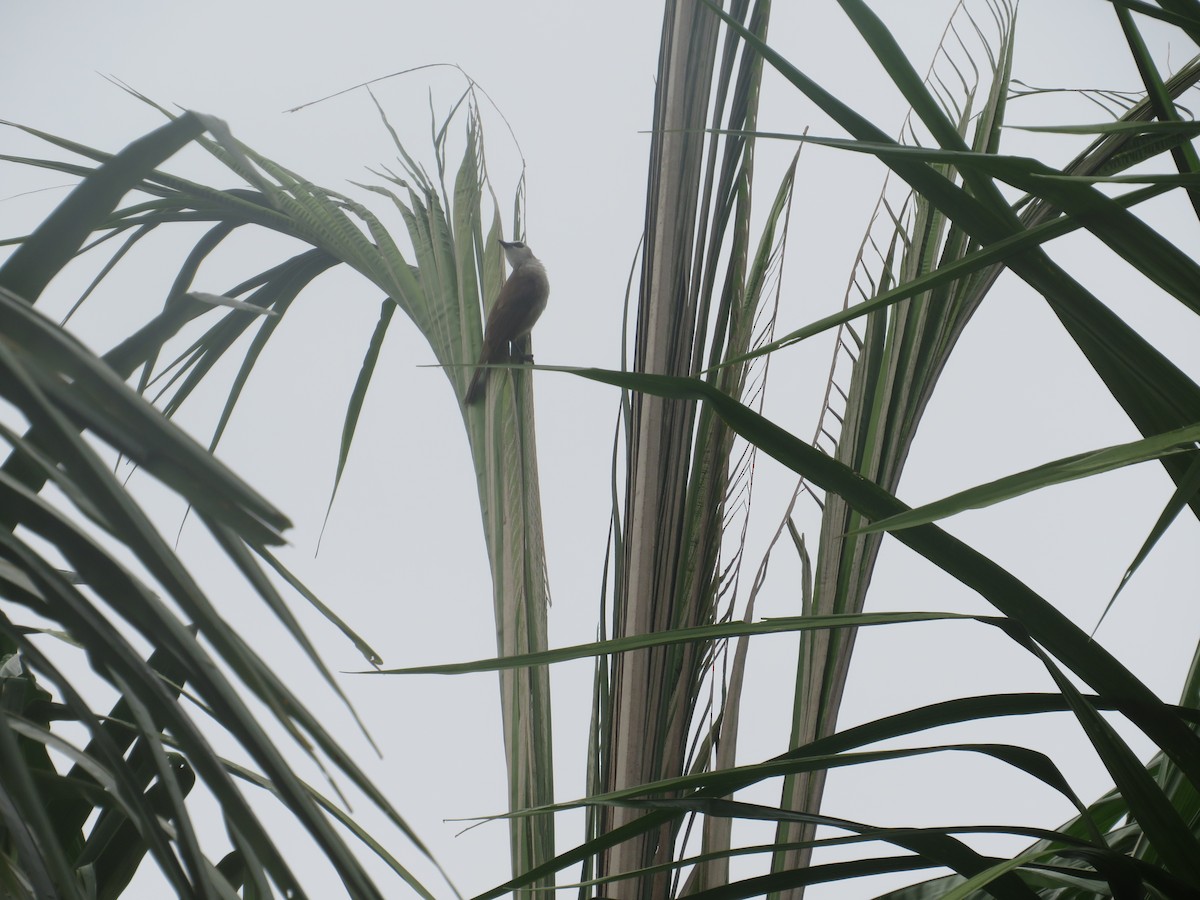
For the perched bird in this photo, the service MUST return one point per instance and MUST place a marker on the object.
(521, 301)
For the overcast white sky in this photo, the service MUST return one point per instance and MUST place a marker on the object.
(403, 559)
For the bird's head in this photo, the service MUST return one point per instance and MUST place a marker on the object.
(517, 252)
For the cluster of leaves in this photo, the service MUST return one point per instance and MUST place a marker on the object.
(84, 833)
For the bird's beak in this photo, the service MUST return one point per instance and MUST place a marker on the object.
(506, 244)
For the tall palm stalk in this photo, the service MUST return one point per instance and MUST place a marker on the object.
(701, 290)
(893, 367)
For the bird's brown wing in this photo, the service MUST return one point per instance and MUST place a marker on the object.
(521, 301)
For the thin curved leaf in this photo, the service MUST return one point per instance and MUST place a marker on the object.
(357, 396)
(674, 636)
(1081, 465)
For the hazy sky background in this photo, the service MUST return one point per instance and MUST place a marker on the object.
(403, 559)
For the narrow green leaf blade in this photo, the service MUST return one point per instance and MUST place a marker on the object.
(1082, 465)
(44, 253)
(386, 310)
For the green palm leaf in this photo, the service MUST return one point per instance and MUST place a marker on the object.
(62, 389)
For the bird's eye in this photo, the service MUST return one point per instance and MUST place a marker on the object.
(518, 243)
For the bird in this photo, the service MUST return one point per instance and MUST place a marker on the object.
(521, 300)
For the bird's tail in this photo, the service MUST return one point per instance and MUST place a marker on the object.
(479, 380)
